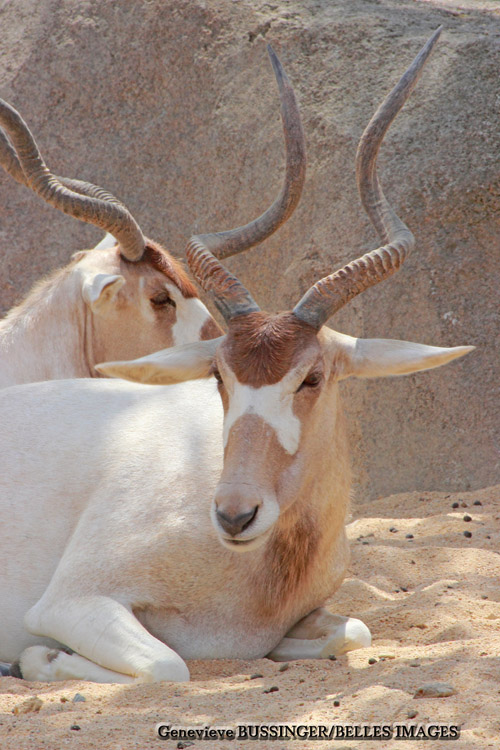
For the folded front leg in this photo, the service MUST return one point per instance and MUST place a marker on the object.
(114, 644)
(319, 635)
(43, 664)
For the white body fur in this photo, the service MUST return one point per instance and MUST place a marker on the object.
(105, 493)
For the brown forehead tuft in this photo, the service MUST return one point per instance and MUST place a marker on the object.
(261, 347)
(172, 268)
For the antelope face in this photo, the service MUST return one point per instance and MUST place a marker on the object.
(277, 373)
(139, 307)
(271, 373)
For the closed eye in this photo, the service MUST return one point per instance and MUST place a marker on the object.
(162, 299)
(217, 375)
(312, 380)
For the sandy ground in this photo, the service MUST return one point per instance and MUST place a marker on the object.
(432, 603)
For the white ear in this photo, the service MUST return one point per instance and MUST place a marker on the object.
(175, 365)
(379, 358)
(107, 241)
(99, 290)
(79, 254)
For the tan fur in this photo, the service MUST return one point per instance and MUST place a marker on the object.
(55, 333)
(289, 559)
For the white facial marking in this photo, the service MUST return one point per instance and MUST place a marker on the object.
(191, 315)
(270, 402)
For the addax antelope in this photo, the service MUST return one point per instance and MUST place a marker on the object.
(128, 296)
(108, 486)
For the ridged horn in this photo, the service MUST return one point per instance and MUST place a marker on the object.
(10, 162)
(205, 250)
(79, 199)
(331, 293)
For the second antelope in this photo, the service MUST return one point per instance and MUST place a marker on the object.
(128, 296)
(111, 553)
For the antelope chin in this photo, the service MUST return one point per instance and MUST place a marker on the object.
(244, 545)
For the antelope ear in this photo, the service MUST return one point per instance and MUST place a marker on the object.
(107, 241)
(100, 289)
(174, 365)
(380, 358)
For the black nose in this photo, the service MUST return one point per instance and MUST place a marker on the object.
(236, 524)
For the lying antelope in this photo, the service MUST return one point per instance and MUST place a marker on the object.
(105, 503)
(126, 297)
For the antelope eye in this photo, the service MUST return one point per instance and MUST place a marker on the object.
(162, 299)
(311, 381)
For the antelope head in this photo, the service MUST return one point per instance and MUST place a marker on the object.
(138, 295)
(277, 374)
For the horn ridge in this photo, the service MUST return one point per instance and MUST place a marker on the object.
(228, 294)
(10, 162)
(228, 243)
(331, 293)
(80, 199)
(204, 251)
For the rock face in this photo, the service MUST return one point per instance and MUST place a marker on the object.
(173, 107)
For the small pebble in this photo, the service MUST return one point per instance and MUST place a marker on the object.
(435, 690)
(284, 667)
(393, 530)
(468, 534)
(364, 542)
(403, 588)
(75, 727)
(415, 663)
(387, 656)
(409, 536)
(31, 704)
(484, 596)
(256, 676)
(477, 502)
(488, 536)
(79, 698)
(454, 505)
(412, 562)
(464, 505)
(183, 744)
(411, 714)
(371, 660)
(272, 689)
(336, 703)
(332, 657)
(63, 699)
(467, 518)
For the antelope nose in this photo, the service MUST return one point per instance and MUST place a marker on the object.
(234, 525)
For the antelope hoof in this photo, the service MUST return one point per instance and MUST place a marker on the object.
(38, 664)
(166, 670)
(320, 635)
(351, 635)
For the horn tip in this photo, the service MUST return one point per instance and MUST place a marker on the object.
(435, 36)
(280, 74)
